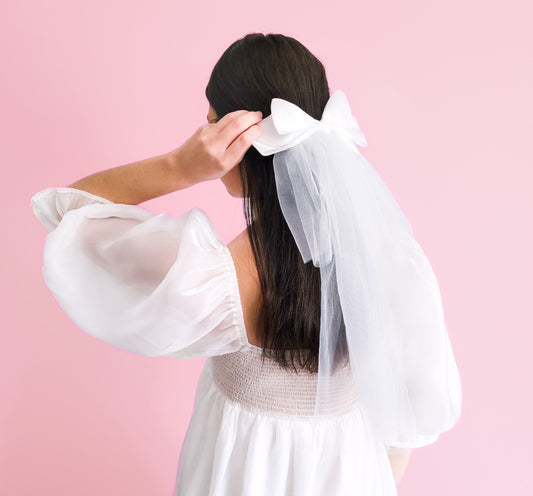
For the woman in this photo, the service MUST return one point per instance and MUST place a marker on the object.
(158, 285)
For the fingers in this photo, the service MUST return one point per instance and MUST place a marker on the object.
(230, 116)
(235, 123)
(235, 152)
(238, 130)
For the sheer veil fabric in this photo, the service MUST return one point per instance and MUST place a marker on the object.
(380, 304)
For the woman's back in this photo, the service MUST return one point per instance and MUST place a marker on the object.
(229, 367)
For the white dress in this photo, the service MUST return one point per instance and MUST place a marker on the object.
(158, 285)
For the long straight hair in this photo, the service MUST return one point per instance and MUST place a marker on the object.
(250, 72)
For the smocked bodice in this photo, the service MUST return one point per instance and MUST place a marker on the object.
(261, 384)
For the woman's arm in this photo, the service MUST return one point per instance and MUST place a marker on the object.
(137, 182)
(399, 458)
(209, 153)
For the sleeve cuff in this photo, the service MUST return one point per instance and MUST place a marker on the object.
(51, 204)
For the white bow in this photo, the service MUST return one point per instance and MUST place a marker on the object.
(288, 124)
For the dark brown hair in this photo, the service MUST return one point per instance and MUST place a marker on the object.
(251, 72)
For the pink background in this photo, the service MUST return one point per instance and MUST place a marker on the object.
(442, 91)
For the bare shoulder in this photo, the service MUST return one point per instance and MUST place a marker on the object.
(248, 279)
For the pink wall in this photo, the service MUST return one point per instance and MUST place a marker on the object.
(442, 92)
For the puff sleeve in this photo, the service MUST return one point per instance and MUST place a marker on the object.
(429, 366)
(154, 285)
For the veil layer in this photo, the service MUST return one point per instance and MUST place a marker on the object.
(380, 300)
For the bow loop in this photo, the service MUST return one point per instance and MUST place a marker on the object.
(288, 124)
(289, 118)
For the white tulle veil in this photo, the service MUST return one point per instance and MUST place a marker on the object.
(377, 285)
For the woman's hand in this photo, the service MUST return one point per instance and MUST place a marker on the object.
(214, 149)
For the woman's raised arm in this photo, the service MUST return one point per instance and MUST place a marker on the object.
(209, 153)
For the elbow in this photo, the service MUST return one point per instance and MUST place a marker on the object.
(399, 459)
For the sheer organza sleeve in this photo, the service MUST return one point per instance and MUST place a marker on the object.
(154, 285)
(429, 366)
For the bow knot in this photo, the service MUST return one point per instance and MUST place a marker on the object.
(288, 124)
